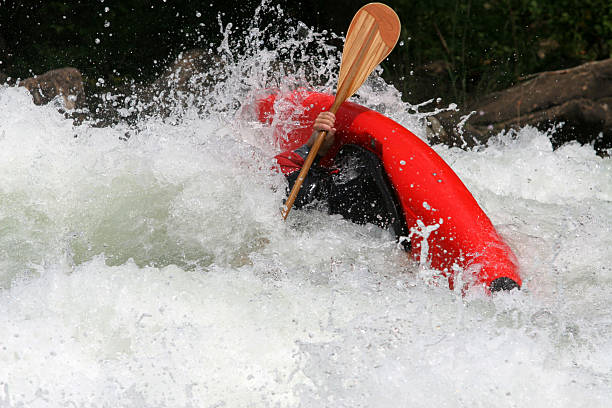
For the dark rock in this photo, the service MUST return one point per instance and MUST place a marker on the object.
(187, 80)
(184, 83)
(181, 75)
(606, 105)
(66, 82)
(580, 98)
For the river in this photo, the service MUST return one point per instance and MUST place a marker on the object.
(157, 272)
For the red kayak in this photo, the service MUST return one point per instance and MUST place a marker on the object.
(448, 230)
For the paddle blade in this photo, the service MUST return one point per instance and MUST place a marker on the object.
(371, 36)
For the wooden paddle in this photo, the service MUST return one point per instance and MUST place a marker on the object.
(370, 38)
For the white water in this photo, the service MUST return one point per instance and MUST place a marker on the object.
(157, 272)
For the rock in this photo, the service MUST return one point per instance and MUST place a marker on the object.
(180, 75)
(579, 97)
(187, 80)
(66, 82)
(606, 105)
(184, 83)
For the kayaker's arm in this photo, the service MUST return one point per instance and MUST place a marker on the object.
(291, 161)
(324, 122)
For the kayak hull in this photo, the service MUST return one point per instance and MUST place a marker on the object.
(448, 230)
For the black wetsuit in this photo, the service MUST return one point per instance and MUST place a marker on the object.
(356, 188)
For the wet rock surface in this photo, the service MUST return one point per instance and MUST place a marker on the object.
(579, 97)
(64, 82)
(186, 81)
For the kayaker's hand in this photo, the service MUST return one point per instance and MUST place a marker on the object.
(325, 121)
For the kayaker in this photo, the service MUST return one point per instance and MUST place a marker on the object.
(355, 187)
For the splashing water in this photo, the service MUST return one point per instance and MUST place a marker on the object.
(157, 272)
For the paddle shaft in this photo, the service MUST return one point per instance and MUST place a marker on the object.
(314, 150)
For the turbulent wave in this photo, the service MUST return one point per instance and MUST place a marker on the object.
(156, 271)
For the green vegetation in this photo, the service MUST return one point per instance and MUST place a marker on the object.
(455, 49)
(113, 40)
(477, 46)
